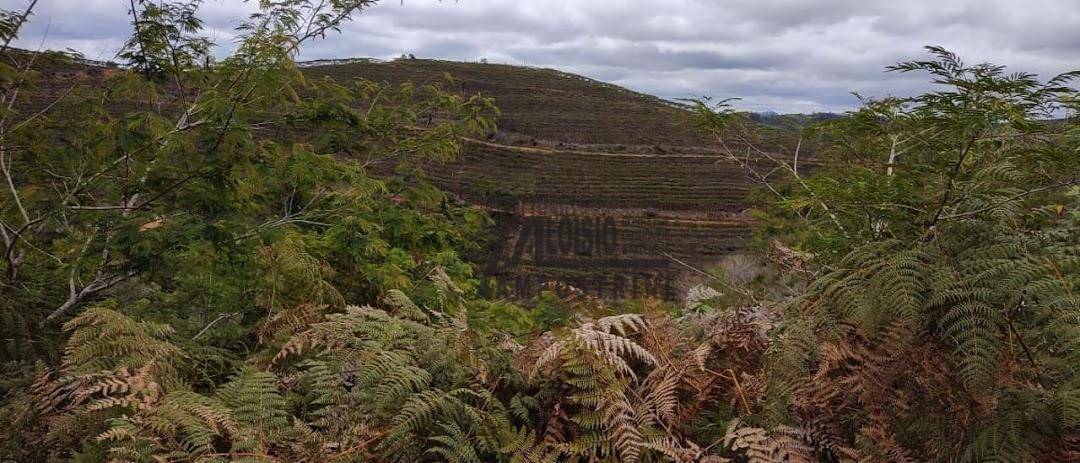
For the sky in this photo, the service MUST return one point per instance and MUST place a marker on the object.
(775, 55)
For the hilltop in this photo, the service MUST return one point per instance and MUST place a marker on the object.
(537, 103)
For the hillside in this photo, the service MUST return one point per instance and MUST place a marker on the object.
(569, 151)
(575, 157)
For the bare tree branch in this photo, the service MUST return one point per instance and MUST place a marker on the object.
(75, 297)
(214, 322)
(22, 19)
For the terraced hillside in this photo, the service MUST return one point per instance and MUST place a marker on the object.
(488, 172)
(593, 185)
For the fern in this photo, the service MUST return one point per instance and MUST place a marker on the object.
(526, 448)
(607, 346)
(258, 408)
(759, 446)
(104, 339)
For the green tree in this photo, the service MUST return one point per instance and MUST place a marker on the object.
(192, 190)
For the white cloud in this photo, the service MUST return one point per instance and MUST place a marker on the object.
(783, 55)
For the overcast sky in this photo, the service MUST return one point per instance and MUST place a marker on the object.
(780, 55)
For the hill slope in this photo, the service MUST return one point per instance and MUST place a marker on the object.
(593, 185)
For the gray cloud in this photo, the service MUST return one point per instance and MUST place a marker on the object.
(782, 55)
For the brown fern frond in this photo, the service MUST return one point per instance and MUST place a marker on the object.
(288, 322)
(612, 349)
(621, 424)
(675, 452)
(758, 445)
(661, 396)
